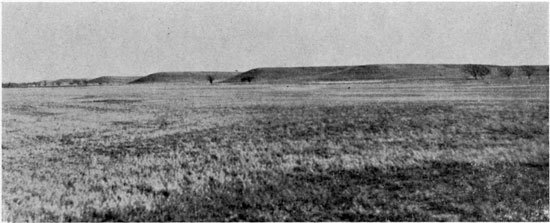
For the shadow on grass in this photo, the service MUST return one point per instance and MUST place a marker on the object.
(436, 192)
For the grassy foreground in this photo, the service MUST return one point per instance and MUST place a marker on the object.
(407, 161)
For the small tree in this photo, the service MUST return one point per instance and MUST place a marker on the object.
(506, 71)
(476, 70)
(210, 79)
(528, 70)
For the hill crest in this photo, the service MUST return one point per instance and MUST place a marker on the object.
(114, 79)
(363, 73)
(188, 77)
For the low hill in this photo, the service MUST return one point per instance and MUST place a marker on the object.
(114, 79)
(63, 82)
(69, 80)
(364, 72)
(187, 77)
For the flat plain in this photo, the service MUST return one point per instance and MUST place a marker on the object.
(325, 151)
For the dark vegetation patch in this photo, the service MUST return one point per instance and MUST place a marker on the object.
(115, 101)
(289, 94)
(89, 106)
(382, 95)
(74, 138)
(87, 97)
(30, 111)
(436, 192)
(44, 138)
(124, 123)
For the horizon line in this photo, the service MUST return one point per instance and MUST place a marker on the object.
(285, 67)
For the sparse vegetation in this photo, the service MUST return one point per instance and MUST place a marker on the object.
(528, 71)
(476, 70)
(506, 71)
(279, 154)
(114, 101)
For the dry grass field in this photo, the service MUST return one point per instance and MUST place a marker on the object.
(325, 151)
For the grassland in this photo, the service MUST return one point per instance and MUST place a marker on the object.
(349, 151)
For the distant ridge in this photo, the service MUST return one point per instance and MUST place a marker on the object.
(67, 80)
(361, 72)
(114, 79)
(275, 75)
(188, 77)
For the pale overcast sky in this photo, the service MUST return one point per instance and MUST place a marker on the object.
(47, 41)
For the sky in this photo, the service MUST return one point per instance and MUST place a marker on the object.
(48, 41)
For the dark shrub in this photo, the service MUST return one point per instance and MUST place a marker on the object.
(506, 71)
(476, 70)
(528, 70)
(247, 78)
(210, 78)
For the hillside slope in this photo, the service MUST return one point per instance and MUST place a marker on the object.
(114, 79)
(187, 77)
(364, 72)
